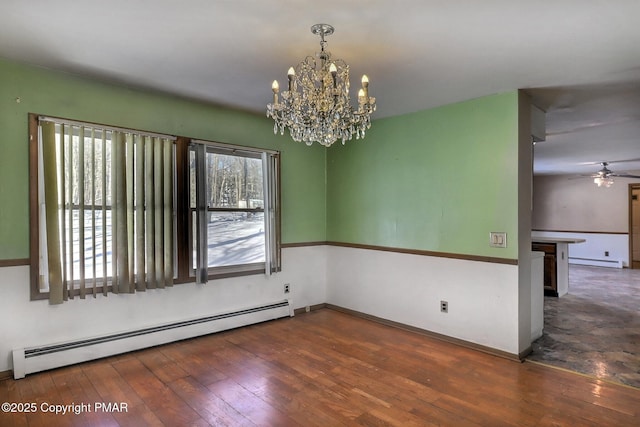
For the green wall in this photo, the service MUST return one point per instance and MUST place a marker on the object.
(436, 180)
(57, 94)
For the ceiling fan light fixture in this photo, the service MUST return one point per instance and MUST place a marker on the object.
(604, 177)
(602, 181)
(315, 106)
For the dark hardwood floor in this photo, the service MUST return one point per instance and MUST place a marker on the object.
(323, 368)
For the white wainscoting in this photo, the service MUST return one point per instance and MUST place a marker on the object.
(405, 288)
(25, 323)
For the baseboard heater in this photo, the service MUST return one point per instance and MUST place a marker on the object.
(615, 263)
(41, 358)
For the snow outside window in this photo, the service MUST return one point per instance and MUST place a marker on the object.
(233, 202)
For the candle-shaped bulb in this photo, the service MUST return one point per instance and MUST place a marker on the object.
(365, 87)
(290, 75)
(361, 97)
(275, 87)
(333, 70)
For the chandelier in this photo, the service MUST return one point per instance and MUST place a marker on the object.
(316, 106)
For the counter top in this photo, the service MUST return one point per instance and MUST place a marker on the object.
(548, 239)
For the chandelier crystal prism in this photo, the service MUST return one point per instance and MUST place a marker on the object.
(316, 105)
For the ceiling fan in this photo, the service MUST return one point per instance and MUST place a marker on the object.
(604, 177)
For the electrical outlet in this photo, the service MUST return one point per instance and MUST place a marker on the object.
(606, 253)
(287, 288)
(444, 306)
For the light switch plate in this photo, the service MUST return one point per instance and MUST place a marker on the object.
(498, 239)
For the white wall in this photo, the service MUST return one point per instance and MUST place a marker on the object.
(537, 295)
(575, 207)
(563, 203)
(525, 207)
(404, 288)
(25, 323)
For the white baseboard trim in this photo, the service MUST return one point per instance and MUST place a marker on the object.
(613, 263)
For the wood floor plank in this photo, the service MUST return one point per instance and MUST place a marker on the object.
(286, 397)
(9, 394)
(209, 406)
(74, 391)
(248, 404)
(161, 366)
(163, 402)
(323, 368)
(109, 384)
(40, 389)
(194, 363)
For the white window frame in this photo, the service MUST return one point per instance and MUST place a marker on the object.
(271, 191)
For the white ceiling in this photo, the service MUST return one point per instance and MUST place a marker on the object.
(579, 59)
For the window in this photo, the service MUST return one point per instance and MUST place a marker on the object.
(234, 210)
(105, 209)
(123, 211)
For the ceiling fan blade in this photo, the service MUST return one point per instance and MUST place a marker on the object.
(623, 161)
(624, 175)
(608, 162)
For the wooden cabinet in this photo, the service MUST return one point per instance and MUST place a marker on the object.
(550, 267)
(556, 262)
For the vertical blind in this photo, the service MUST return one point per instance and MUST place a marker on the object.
(106, 199)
